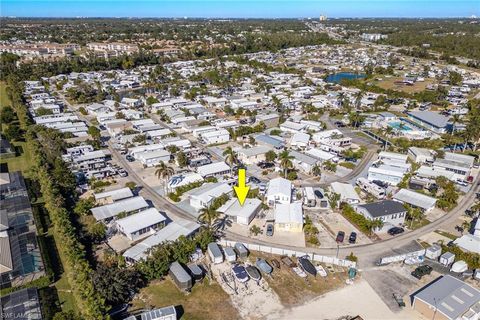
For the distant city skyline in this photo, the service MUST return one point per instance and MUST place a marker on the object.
(242, 9)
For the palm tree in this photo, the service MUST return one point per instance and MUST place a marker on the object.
(164, 172)
(387, 132)
(285, 161)
(414, 214)
(455, 120)
(358, 99)
(208, 215)
(230, 157)
(317, 171)
(374, 225)
(465, 226)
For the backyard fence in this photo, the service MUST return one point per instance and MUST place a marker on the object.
(291, 253)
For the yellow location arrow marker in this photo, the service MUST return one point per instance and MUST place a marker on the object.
(242, 189)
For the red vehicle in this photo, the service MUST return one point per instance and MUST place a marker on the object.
(470, 179)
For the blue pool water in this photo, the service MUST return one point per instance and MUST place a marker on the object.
(338, 77)
(396, 125)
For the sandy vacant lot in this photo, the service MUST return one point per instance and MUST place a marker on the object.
(357, 299)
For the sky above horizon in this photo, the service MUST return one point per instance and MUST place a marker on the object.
(241, 9)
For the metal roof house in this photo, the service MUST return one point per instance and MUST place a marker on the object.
(433, 121)
(415, 199)
(215, 253)
(279, 191)
(207, 193)
(289, 217)
(170, 232)
(140, 225)
(391, 213)
(447, 298)
(270, 141)
(165, 313)
(113, 195)
(109, 211)
(180, 276)
(346, 191)
(214, 169)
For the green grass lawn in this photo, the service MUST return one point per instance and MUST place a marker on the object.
(23, 160)
(65, 297)
(205, 302)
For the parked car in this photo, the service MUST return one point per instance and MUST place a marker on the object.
(353, 237)
(130, 158)
(340, 236)
(266, 165)
(122, 173)
(421, 271)
(339, 124)
(269, 230)
(395, 230)
(254, 180)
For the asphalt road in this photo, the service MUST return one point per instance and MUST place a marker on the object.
(367, 254)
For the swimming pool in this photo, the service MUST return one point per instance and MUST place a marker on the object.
(399, 126)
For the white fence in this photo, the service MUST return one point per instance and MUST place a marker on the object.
(401, 257)
(291, 253)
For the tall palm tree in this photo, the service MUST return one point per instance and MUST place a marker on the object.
(374, 225)
(285, 161)
(230, 157)
(455, 120)
(358, 99)
(164, 172)
(387, 132)
(208, 215)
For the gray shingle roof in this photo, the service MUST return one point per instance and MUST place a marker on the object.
(383, 208)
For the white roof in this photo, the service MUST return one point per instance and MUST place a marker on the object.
(289, 213)
(320, 154)
(215, 133)
(388, 170)
(184, 179)
(170, 232)
(209, 191)
(414, 198)
(468, 242)
(292, 125)
(140, 220)
(300, 137)
(279, 186)
(345, 190)
(153, 154)
(433, 172)
(233, 207)
(392, 155)
(213, 168)
(117, 194)
(111, 210)
(254, 151)
(463, 158)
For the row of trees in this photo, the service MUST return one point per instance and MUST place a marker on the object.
(56, 185)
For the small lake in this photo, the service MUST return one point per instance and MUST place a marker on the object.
(338, 77)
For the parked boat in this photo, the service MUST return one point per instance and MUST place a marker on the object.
(264, 266)
(253, 273)
(299, 272)
(240, 273)
(321, 271)
(307, 266)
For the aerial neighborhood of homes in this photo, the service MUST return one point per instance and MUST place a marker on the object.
(156, 162)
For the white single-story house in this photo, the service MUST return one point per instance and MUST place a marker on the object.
(217, 136)
(300, 140)
(183, 179)
(214, 169)
(241, 214)
(279, 191)
(253, 155)
(421, 155)
(152, 158)
(303, 162)
(293, 127)
(386, 173)
(141, 224)
(204, 196)
(289, 217)
(346, 191)
(170, 232)
(415, 199)
(321, 155)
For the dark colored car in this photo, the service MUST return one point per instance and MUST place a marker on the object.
(266, 165)
(395, 230)
(340, 236)
(339, 124)
(130, 158)
(318, 193)
(254, 180)
(421, 271)
(353, 237)
(269, 230)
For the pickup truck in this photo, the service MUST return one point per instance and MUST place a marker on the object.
(421, 271)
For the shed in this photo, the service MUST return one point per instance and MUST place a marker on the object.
(180, 276)
(447, 258)
(195, 271)
(241, 250)
(230, 254)
(433, 252)
(215, 253)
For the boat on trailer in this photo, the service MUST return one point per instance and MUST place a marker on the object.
(264, 266)
(299, 272)
(307, 265)
(321, 271)
(240, 273)
(253, 272)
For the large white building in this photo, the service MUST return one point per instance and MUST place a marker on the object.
(217, 136)
(205, 195)
(140, 225)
